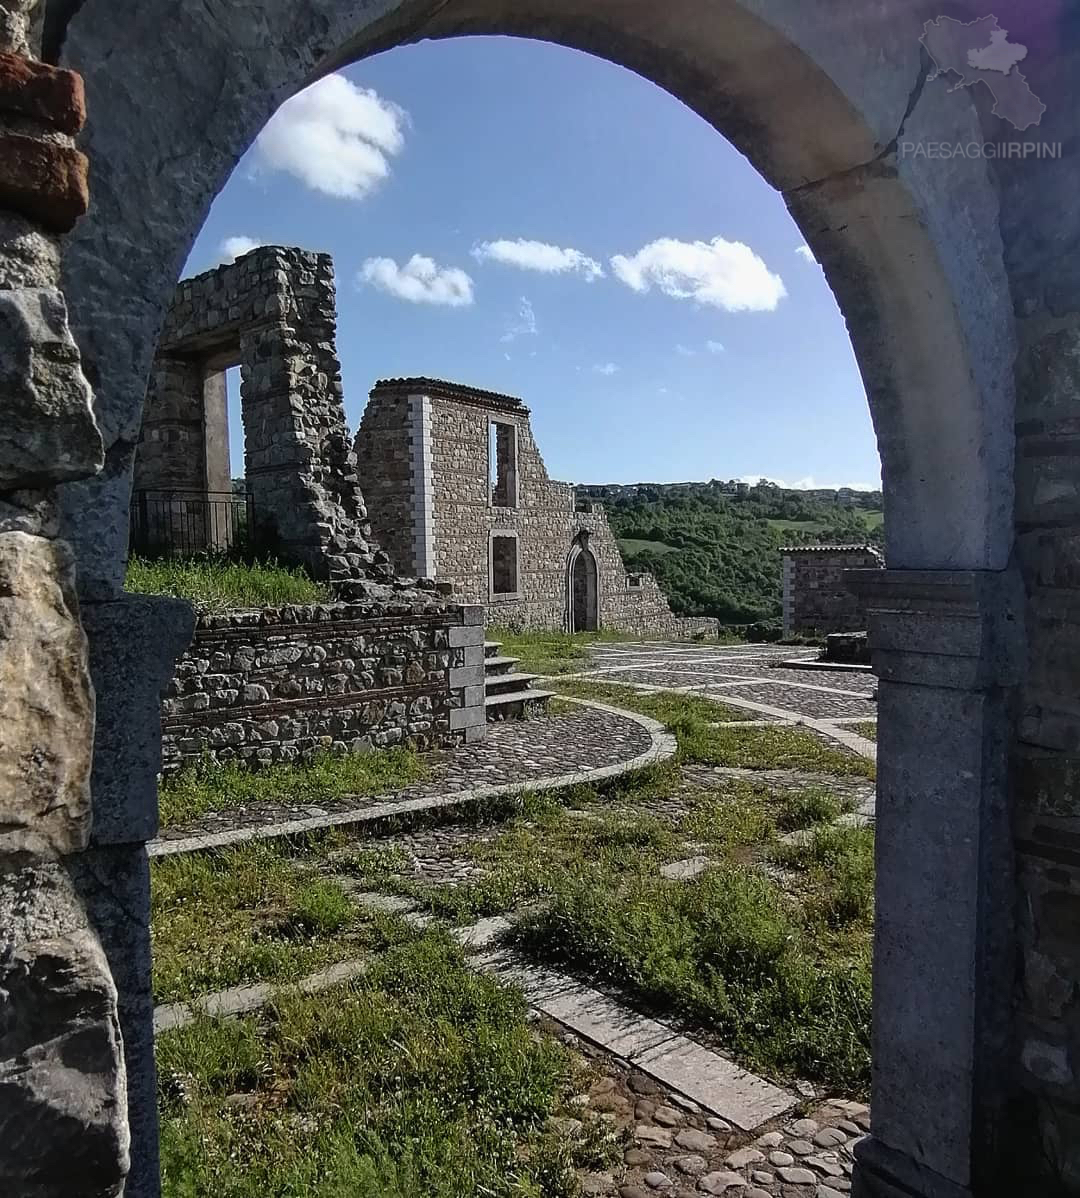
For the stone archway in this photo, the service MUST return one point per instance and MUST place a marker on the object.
(582, 589)
(819, 99)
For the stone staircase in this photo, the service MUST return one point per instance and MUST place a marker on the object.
(508, 694)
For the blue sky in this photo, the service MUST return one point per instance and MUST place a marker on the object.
(518, 216)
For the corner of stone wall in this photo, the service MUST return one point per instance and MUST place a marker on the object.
(468, 714)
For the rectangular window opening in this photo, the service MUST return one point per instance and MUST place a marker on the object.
(504, 565)
(502, 464)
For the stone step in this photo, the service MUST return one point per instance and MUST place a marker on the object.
(502, 684)
(517, 705)
(491, 648)
(494, 666)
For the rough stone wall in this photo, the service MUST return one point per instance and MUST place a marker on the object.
(279, 685)
(274, 312)
(63, 1092)
(1041, 235)
(422, 451)
(817, 599)
(385, 457)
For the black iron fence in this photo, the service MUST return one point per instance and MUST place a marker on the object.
(182, 523)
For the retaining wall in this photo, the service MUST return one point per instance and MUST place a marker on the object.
(280, 684)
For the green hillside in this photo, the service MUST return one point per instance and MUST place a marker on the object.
(715, 551)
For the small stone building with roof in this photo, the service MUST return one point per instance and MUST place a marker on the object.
(457, 491)
(816, 597)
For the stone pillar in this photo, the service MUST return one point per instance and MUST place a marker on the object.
(134, 643)
(63, 1090)
(215, 394)
(945, 647)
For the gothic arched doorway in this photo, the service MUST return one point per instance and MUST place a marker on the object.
(583, 603)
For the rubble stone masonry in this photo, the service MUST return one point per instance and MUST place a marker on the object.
(279, 684)
(443, 489)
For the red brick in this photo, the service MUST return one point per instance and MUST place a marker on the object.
(44, 181)
(36, 89)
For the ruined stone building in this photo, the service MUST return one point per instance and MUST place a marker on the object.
(272, 313)
(816, 597)
(457, 491)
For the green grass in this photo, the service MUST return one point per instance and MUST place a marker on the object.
(524, 862)
(422, 1079)
(218, 584)
(631, 545)
(248, 914)
(869, 730)
(808, 808)
(777, 748)
(208, 786)
(839, 864)
(551, 652)
(730, 951)
(670, 709)
(690, 716)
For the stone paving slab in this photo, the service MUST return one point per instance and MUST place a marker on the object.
(715, 1083)
(818, 705)
(701, 1075)
(242, 1000)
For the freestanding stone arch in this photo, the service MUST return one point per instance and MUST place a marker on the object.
(958, 282)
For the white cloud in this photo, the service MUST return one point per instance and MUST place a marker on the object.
(236, 247)
(334, 137)
(523, 324)
(420, 281)
(711, 347)
(806, 253)
(723, 274)
(608, 368)
(538, 255)
(808, 484)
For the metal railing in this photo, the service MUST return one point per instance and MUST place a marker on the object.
(181, 523)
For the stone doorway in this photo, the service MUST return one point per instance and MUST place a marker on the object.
(584, 597)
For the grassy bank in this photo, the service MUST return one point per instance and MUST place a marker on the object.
(218, 584)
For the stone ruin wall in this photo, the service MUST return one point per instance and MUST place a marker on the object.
(63, 1084)
(273, 312)
(817, 599)
(279, 685)
(422, 452)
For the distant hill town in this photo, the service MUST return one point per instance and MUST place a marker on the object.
(715, 546)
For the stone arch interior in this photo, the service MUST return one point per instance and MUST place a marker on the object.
(886, 247)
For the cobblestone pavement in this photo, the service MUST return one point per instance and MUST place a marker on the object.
(745, 676)
(514, 752)
(678, 1150)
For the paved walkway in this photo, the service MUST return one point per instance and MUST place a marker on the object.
(588, 744)
(753, 678)
(696, 1124)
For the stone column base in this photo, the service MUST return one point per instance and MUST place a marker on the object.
(881, 1172)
